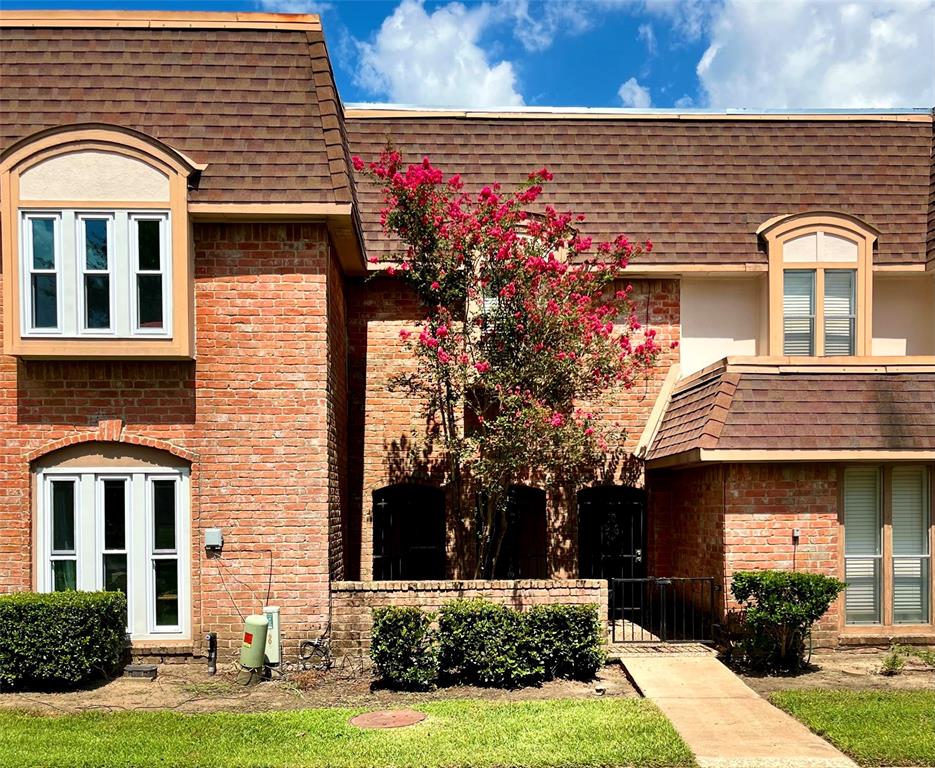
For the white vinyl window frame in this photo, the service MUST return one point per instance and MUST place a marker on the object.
(164, 272)
(89, 540)
(28, 270)
(123, 271)
(83, 272)
(155, 555)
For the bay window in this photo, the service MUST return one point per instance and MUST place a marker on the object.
(96, 273)
(117, 529)
(887, 545)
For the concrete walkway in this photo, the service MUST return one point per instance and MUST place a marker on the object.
(723, 721)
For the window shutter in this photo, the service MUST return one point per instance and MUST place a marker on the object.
(910, 545)
(798, 308)
(862, 545)
(840, 323)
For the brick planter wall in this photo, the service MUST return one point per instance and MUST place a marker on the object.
(353, 601)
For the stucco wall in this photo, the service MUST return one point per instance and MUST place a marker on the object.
(903, 315)
(720, 317)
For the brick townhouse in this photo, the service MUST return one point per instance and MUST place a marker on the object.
(193, 339)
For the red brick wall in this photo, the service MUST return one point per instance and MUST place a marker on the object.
(254, 409)
(353, 602)
(764, 503)
(386, 427)
(714, 521)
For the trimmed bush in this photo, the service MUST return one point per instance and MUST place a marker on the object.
(482, 643)
(780, 609)
(404, 647)
(61, 638)
(570, 639)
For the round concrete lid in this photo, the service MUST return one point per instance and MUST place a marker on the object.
(394, 718)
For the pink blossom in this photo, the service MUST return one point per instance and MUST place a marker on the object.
(358, 163)
(404, 334)
(443, 356)
(557, 420)
(482, 367)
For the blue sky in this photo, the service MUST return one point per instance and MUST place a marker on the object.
(716, 54)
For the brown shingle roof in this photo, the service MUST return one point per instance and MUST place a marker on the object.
(698, 188)
(729, 408)
(257, 105)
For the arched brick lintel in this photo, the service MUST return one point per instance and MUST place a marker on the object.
(111, 432)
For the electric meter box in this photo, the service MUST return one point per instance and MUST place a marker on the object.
(273, 642)
(214, 539)
(254, 642)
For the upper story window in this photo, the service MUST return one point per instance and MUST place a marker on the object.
(819, 286)
(95, 245)
(95, 273)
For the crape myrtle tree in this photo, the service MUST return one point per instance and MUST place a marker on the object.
(525, 321)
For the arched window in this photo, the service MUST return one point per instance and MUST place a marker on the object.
(611, 532)
(96, 244)
(524, 550)
(408, 532)
(117, 517)
(820, 281)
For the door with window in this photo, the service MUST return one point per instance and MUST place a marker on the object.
(887, 545)
(124, 530)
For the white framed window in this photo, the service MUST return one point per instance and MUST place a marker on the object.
(95, 245)
(150, 268)
(120, 529)
(96, 273)
(41, 238)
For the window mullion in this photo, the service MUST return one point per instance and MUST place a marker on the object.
(819, 312)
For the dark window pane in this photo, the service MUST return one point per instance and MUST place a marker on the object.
(97, 301)
(64, 575)
(148, 241)
(114, 517)
(95, 239)
(44, 301)
(167, 592)
(63, 516)
(164, 514)
(115, 573)
(149, 300)
(43, 243)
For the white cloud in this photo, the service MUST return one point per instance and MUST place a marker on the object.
(292, 6)
(632, 94)
(537, 28)
(688, 17)
(820, 54)
(646, 36)
(685, 102)
(435, 60)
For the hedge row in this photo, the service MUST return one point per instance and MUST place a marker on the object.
(61, 638)
(482, 643)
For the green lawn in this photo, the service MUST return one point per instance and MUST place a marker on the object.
(608, 732)
(873, 727)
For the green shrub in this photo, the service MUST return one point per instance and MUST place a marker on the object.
(404, 647)
(482, 643)
(569, 638)
(61, 638)
(781, 607)
(894, 661)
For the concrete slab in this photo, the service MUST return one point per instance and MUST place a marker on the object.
(723, 721)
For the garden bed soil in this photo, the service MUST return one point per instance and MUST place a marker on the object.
(189, 688)
(857, 670)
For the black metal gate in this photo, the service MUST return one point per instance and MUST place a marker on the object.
(663, 610)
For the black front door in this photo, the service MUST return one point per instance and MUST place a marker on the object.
(612, 532)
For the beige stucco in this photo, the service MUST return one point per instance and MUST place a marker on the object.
(721, 317)
(903, 315)
(94, 176)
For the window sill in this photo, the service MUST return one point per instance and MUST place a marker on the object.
(886, 635)
(47, 348)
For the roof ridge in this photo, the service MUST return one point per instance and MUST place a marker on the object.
(161, 19)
